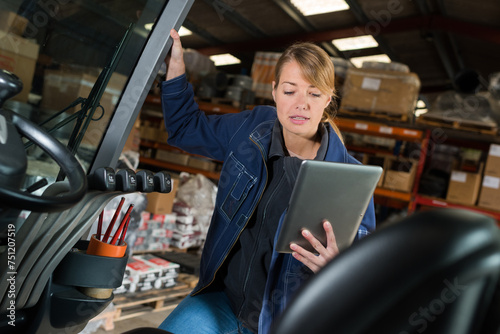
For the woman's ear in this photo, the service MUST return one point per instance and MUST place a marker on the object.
(328, 102)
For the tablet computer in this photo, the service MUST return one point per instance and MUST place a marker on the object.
(337, 192)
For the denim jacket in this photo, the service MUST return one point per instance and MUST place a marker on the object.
(242, 141)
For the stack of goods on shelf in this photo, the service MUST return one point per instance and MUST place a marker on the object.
(489, 197)
(376, 160)
(187, 232)
(197, 66)
(263, 67)
(153, 129)
(341, 66)
(147, 272)
(468, 112)
(399, 173)
(154, 136)
(193, 207)
(465, 179)
(18, 55)
(155, 232)
(435, 178)
(62, 86)
(239, 90)
(380, 89)
(211, 85)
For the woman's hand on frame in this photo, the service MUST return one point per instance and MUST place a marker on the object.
(175, 58)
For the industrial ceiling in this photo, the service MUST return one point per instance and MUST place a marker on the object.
(440, 40)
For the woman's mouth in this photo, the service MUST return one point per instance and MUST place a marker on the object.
(299, 119)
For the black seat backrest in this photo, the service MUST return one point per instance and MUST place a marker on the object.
(433, 272)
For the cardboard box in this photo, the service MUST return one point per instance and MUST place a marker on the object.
(374, 90)
(376, 160)
(19, 55)
(134, 139)
(489, 197)
(161, 204)
(463, 187)
(399, 174)
(173, 157)
(11, 22)
(62, 87)
(493, 161)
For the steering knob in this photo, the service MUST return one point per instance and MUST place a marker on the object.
(10, 85)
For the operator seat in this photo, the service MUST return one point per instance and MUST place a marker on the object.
(435, 271)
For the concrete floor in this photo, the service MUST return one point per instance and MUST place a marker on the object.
(151, 319)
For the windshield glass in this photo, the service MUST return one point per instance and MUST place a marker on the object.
(74, 58)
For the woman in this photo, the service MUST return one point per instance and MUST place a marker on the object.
(244, 284)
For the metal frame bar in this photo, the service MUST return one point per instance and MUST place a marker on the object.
(142, 77)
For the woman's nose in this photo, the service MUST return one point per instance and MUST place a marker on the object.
(301, 102)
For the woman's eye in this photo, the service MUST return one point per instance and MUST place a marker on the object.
(316, 95)
(288, 93)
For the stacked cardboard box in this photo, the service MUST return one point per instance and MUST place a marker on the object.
(463, 187)
(13, 23)
(377, 160)
(162, 204)
(18, 55)
(380, 91)
(399, 174)
(62, 87)
(490, 192)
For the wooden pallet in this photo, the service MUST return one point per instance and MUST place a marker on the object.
(458, 124)
(133, 305)
(377, 115)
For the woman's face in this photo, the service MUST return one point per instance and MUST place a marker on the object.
(299, 104)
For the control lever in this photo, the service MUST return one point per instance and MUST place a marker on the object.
(145, 181)
(103, 178)
(126, 180)
(162, 182)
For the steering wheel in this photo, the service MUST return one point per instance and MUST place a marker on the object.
(12, 126)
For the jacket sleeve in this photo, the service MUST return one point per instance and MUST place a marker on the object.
(189, 128)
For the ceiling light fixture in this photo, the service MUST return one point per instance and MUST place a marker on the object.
(224, 59)
(314, 7)
(184, 31)
(358, 61)
(355, 43)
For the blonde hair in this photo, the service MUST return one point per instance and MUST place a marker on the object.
(317, 68)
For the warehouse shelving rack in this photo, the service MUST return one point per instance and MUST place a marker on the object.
(405, 132)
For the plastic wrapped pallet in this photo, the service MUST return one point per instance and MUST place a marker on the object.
(263, 68)
(470, 112)
(378, 91)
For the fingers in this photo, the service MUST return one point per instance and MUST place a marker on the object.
(315, 243)
(324, 254)
(330, 237)
(313, 262)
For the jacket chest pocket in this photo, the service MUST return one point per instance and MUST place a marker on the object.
(242, 182)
